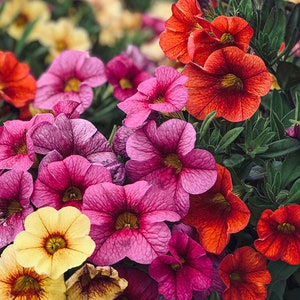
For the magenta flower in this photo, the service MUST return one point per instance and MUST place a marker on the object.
(165, 156)
(63, 183)
(16, 146)
(294, 131)
(124, 75)
(15, 192)
(127, 221)
(165, 93)
(140, 285)
(185, 270)
(71, 76)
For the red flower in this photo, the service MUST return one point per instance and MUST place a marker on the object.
(186, 18)
(225, 31)
(217, 213)
(279, 234)
(17, 86)
(230, 83)
(245, 275)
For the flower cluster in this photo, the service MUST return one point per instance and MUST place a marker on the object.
(149, 153)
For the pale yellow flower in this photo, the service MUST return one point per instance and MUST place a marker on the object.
(20, 283)
(91, 282)
(61, 35)
(23, 12)
(54, 240)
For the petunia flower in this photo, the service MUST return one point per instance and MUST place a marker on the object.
(278, 234)
(125, 76)
(54, 241)
(186, 18)
(245, 275)
(165, 156)
(140, 285)
(217, 213)
(127, 221)
(17, 85)
(71, 75)
(15, 193)
(294, 131)
(165, 93)
(187, 268)
(94, 283)
(63, 183)
(230, 83)
(19, 283)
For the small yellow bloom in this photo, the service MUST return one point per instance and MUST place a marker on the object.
(20, 283)
(91, 282)
(54, 240)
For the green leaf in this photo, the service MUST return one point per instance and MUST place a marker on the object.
(292, 29)
(295, 191)
(206, 122)
(287, 74)
(290, 168)
(281, 147)
(228, 138)
(233, 160)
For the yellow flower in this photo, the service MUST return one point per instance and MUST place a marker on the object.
(54, 240)
(23, 12)
(20, 283)
(61, 35)
(92, 282)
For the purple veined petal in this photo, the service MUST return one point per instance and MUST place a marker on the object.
(67, 107)
(166, 76)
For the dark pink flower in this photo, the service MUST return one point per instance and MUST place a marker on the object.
(125, 76)
(16, 189)
(72, 75)
(165, 156)
(127, 221)
(63, 183)
(186, 269)
(294, 132)
(165, 93)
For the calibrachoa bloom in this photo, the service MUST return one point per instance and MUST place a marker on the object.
(294, 132)
(165, 93)
(125, 76)
(94, 283)
(54, 241)
(217, 213)
(128, 221)
(17, 85)
(245, 275)
(19, 283)
(278, 234)
(63, 183)
(186, 269)
(165, 156)
(71, 75)
(16, 189)
(230, 83)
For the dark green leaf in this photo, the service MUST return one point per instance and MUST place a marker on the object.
(288, 75)
(295, 192)
(228, 138)
(281, 147)
(290, 168)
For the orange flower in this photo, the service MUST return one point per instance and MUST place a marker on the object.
(225, 31)
(17, 86)
(245, 275)
(186, 18)
(230, 83)
(279, 234)
(217, 213)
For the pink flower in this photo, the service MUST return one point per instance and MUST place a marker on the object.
(63, 183)
(16, 189)
(165, 156)
(165, 93)
(16, 146)
(127, 221)
(124, 75)
(185, 270)
(71, 76)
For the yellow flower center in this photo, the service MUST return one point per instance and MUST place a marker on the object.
(26, 286)
(286, 228)
(127, 220)
(22, 20)
(232, 81)
(235, 276)
(54, 243)
(21, 149)
(177, 266)
(227, 38)
(172, 160)
(159, 99)
(125, 84)
(72, 193)
(13, 207)
(2, 86)
(60, 46)
(72, 84)
(219, 199)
